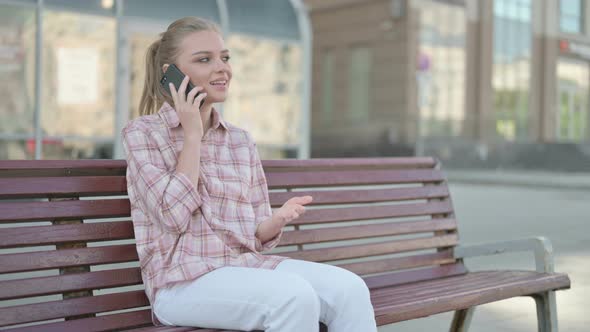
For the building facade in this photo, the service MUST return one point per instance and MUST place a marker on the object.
(502, 83)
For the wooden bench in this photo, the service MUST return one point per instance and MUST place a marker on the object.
(68, 261)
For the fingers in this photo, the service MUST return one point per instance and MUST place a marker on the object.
(302, 200)
(191, 95)
(182, 89)
(197, 101)
(173, 93)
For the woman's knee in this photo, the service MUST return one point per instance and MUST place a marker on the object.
(300, 295)
(353, 287)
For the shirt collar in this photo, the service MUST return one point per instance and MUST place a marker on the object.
(170, 117)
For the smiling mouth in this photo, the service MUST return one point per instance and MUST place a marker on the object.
(219, 83)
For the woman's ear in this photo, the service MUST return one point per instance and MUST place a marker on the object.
(165, 67)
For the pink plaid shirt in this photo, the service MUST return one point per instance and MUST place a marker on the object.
(183, 232)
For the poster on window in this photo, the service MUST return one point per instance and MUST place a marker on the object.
(77, 75)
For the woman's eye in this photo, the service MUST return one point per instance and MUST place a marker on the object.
(204, 60)
(226, 58)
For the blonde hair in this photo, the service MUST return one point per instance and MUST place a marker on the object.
(165, 50)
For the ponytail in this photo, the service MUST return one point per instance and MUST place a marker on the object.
(149, 97)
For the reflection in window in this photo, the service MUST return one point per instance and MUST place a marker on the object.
(17, 149)
(17, 80)
(511, 68)
(78, 75)
(359, 84)
(441, 69)
(71, 149)
(265, 96)
(570, 16)
(572, 118)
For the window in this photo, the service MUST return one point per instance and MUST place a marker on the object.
(512, 69)
(440, 72)
(572, 113)
(17, 81)
(570, 16)
(265, 95)
(78, 112)
(359, 86)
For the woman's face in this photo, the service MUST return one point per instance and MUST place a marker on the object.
(204, 58)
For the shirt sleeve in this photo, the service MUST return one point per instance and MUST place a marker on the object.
(259, 198)
(168, 197)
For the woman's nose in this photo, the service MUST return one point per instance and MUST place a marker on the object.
(221, 65)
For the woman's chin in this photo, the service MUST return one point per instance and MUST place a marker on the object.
(214, 99)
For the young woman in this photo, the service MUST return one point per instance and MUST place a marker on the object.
(201, 212)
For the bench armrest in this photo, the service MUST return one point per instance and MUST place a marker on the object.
(541, 246)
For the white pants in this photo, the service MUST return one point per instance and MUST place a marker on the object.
(292, 298)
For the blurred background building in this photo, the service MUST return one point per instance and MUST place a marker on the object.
(479, 84)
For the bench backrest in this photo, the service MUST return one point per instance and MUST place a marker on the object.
(67, 250)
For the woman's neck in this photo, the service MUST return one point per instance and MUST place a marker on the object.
(206, 117)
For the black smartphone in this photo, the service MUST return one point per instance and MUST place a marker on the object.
(175, 76)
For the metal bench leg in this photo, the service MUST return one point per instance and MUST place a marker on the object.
(546, 311)
(462, 319)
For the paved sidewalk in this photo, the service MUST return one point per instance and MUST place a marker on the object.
(497, 213)
(541, 179)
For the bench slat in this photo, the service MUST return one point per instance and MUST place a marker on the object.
(408, 162)
(420, 289)
(65, 168)
(456, 285)
(173, 329)
(277, 199)
(400, 263)
(37, 187)
(455, 293)
(176, 329)
(63, 210)
(368, 230)
(404, 277)
(72, 307)
(380, 248)
(58, 234)
(328, 215)
(43, 260)
(347, 178)
(333, 163)
(95, 324)
(15, 168)
(11, 289)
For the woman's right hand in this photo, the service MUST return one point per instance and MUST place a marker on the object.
(187, 108)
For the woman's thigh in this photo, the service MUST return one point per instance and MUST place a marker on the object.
(229, 298)
(335, 286)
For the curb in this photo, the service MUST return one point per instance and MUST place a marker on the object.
(573, 181)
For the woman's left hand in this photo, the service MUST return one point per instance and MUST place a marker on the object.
(291, 210)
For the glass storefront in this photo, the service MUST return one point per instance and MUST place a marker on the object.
(441, 69)
(264, 95)
(17, 77)
(512, 68)
(78, 108)
(78, 90)
(572, 115)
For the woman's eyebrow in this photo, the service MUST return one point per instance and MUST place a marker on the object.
(209, 52)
